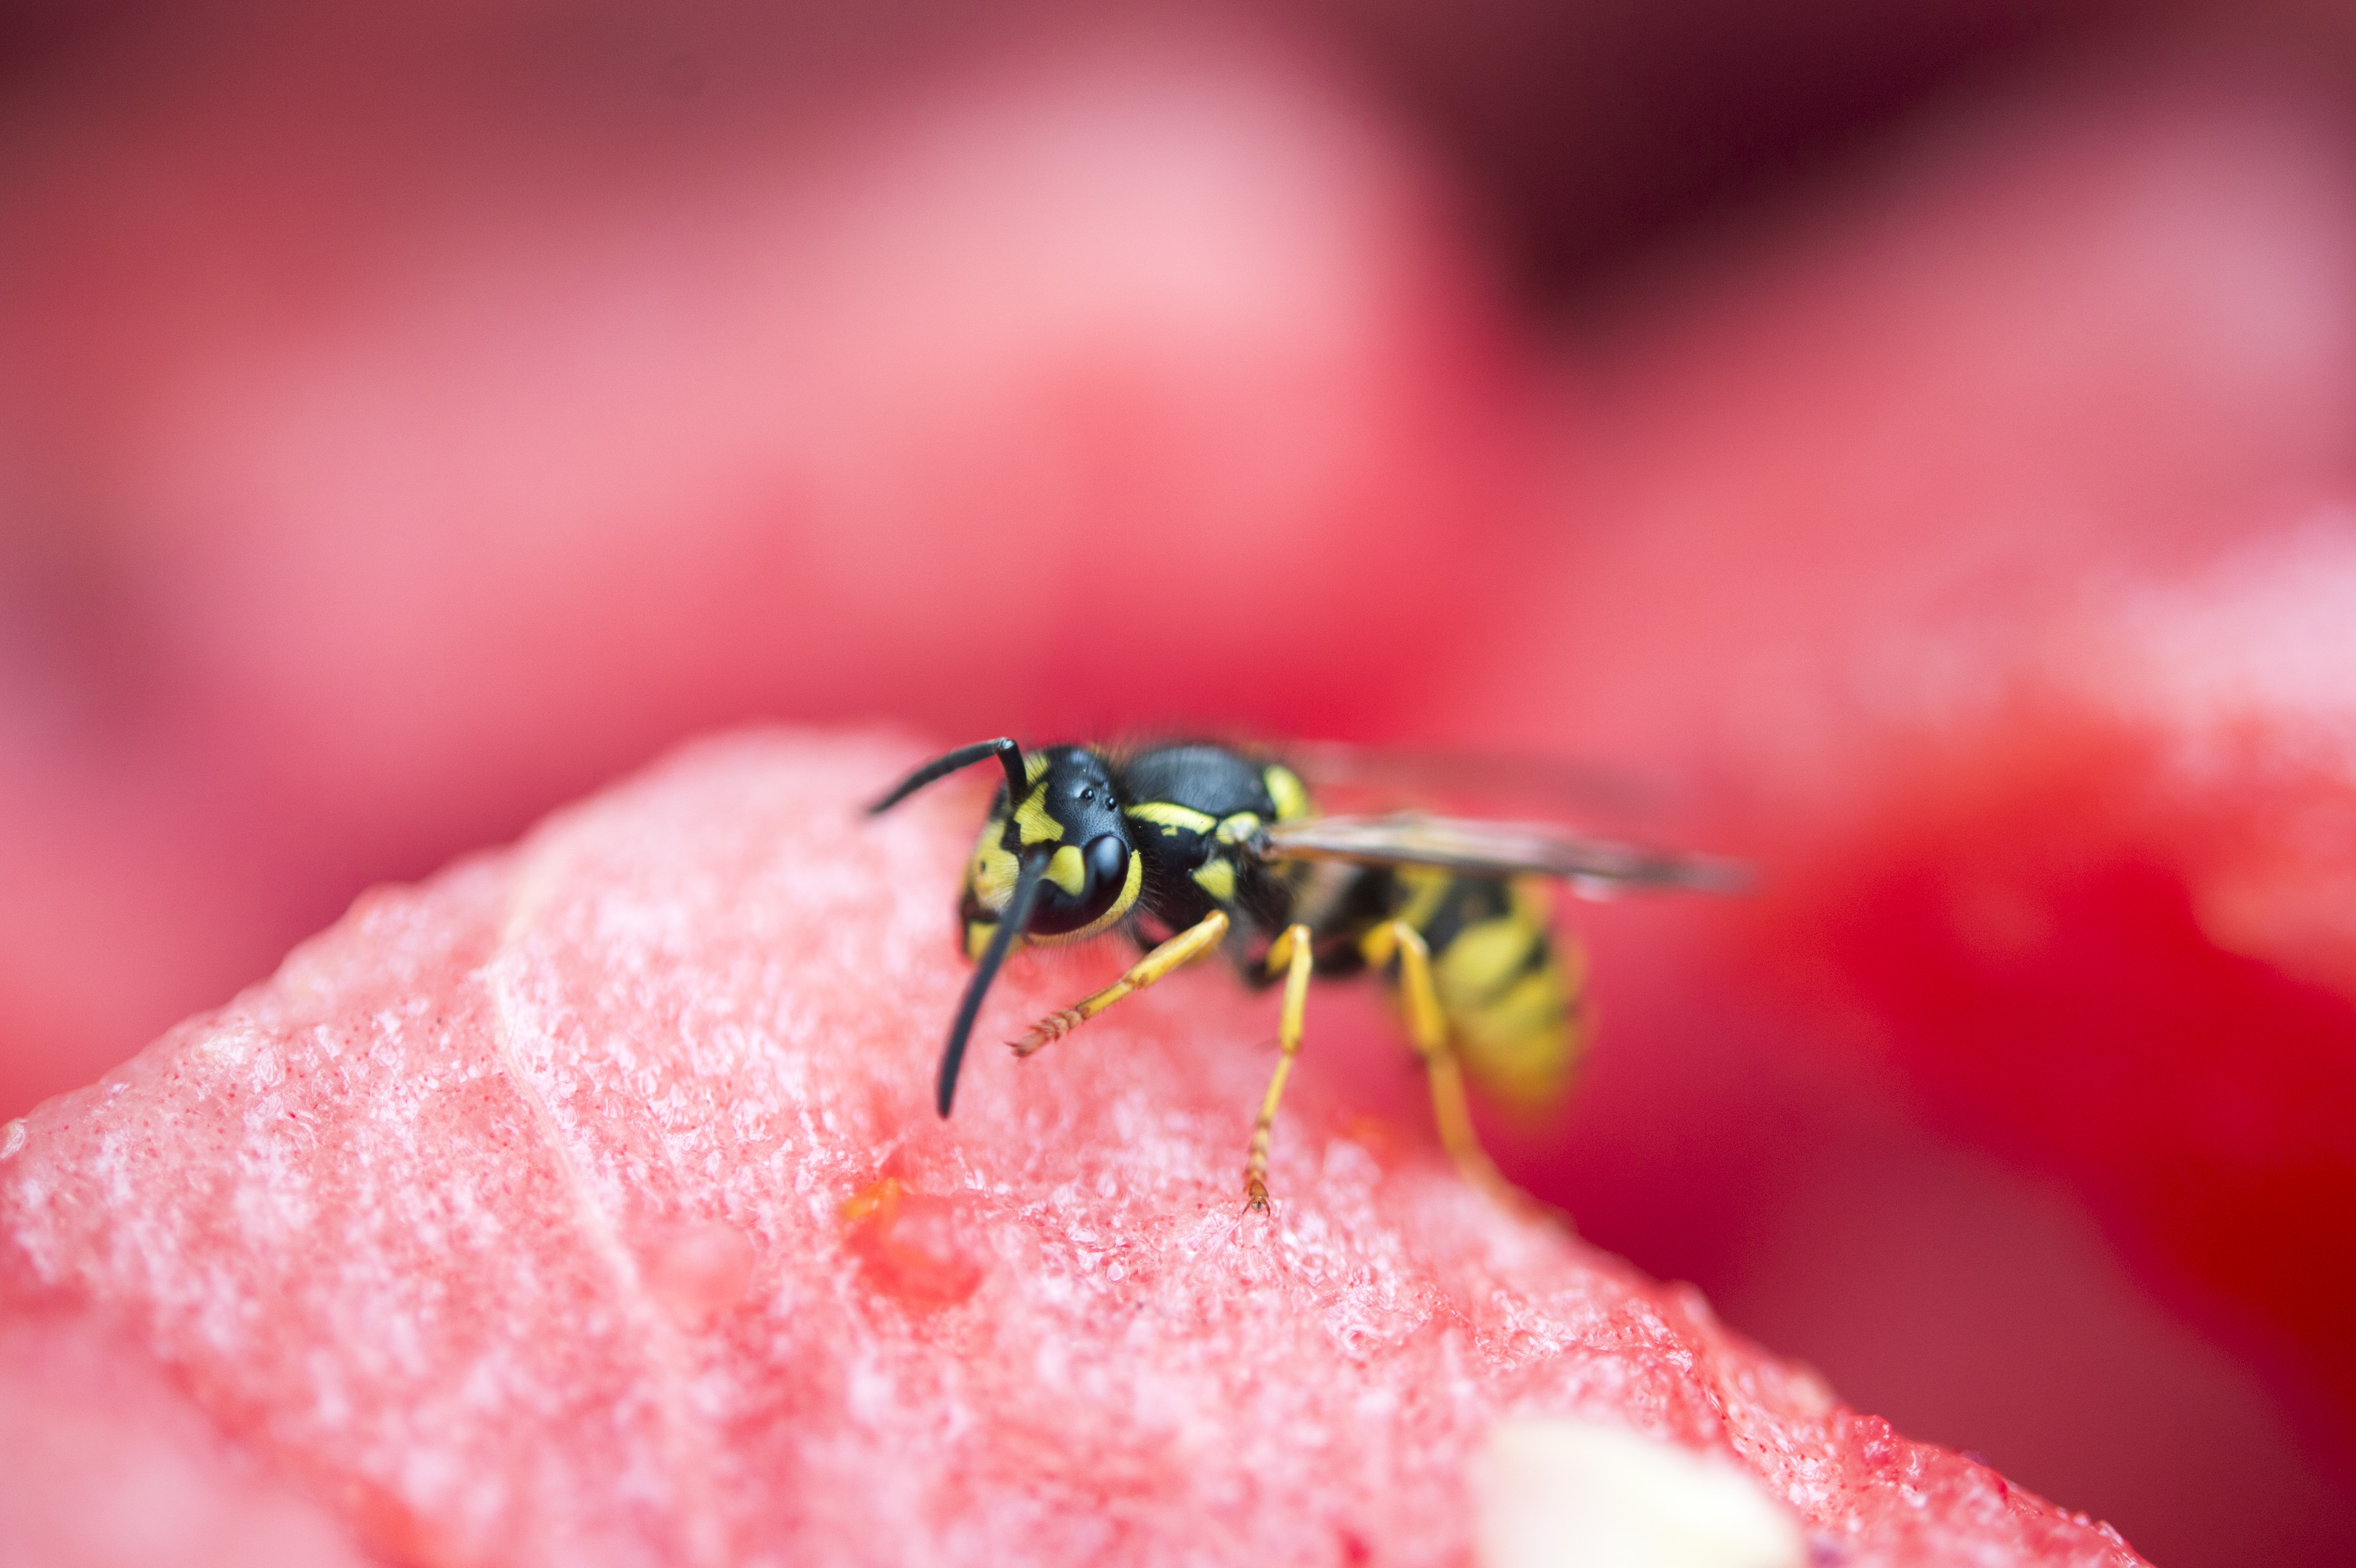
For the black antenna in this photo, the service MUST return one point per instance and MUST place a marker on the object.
(1008, 753)
(1011, 921)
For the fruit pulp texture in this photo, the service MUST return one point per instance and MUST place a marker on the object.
(586, 1205)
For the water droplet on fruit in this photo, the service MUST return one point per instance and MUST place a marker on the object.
(911, 1245)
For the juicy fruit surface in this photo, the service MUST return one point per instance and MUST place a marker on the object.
(392, 459)
(586, 1206)
(2040, 737)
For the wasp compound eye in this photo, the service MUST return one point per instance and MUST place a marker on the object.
(1083, 886)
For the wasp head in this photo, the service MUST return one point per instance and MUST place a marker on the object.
(1069, 811)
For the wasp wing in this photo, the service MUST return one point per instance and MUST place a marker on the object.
(1595, 868)
(1406, 777)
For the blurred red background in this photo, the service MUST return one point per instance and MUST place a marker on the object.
(1917, 450)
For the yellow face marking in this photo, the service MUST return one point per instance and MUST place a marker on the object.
(992, 870)
(1174, 819)
(1031, 817)
(1216, 878)
(1103, 922)
(1034, 766)
(1067, 870)
(978, 934)
(1238, 828)
(1284, 787)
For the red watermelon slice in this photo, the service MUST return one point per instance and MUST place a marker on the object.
(586, 1206)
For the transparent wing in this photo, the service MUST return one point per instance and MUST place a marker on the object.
(1391, 778)
(1595, 868)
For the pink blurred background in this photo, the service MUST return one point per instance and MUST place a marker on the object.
(1914, 448)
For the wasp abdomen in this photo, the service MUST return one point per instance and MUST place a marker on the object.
(1510, 995)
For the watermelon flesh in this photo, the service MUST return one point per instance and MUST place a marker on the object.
(2042, 733)
(585, 1205)
(308, 634)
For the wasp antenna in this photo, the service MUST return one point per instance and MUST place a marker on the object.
(1008, 753)
(1011, 921)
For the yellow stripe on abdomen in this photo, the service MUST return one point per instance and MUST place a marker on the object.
(1512, 1003)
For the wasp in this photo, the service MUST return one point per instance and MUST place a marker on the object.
(1192, 848)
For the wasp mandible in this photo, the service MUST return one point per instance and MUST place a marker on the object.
(1193, 847)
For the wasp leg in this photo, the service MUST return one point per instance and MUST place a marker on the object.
(1183, 948)
(1428, 1026)
(1291, 953)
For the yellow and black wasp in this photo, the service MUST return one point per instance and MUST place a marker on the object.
(1193, 847)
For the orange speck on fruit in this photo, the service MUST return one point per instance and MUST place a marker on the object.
(909, 1244)
(877, 1199)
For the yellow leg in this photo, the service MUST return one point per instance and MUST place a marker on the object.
(1451, 1113)
(1183, 948)
(1290, 953)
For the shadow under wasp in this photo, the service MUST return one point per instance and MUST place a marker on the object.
(1192, 848)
